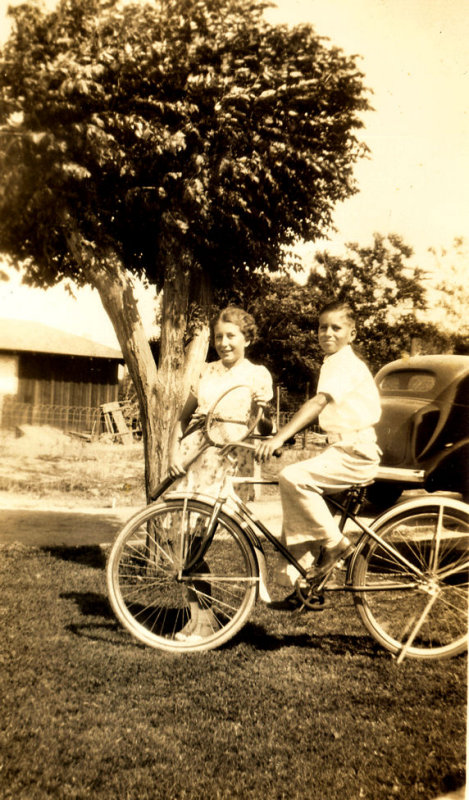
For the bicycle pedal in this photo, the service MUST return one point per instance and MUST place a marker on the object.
(308, 597)
(315, 602)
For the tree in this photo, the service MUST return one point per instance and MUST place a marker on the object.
(449, 295)
(185, 142)
(286, 313)
(383, 288)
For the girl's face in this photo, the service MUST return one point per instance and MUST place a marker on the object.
(335, 331)
(230, 343)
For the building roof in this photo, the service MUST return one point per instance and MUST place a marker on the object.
(20, 336)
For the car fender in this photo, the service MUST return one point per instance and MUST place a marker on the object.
(432, 409)
(450, 469)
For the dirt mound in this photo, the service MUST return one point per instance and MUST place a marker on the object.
(43, 437)
(46, 462)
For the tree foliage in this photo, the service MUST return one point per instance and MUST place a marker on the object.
(173, 122)
(184, 141)
(448, 288)
(384, 290)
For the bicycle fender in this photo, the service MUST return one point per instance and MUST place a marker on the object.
(262, 567)
(258, 550)
(416, 503)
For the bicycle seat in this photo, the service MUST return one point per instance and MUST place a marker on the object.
(355, 490)
(354, 496)
(360, 485)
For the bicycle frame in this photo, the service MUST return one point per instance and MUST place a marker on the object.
(230, 503)
(426, 569)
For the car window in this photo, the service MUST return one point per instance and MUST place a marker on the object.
(414, 382)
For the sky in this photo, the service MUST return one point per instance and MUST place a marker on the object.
(415, 59)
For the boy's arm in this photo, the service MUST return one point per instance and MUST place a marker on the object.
(308, 412)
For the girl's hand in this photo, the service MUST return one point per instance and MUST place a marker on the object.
(260, 398)
(175, 470)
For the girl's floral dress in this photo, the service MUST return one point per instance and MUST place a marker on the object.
(206, 474)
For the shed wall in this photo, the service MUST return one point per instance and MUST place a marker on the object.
(63, 391)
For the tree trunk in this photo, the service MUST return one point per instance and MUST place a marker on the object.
(161, 392)
(180, 365)
(171, 361)
(115, 288)
(197, 347)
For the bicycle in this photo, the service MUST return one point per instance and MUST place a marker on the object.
(408, 574)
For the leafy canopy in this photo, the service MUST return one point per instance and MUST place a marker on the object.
(378, 281)
(171, 126)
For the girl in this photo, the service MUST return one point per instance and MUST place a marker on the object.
(233, 331)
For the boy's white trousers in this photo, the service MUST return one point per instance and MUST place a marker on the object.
(306, 517)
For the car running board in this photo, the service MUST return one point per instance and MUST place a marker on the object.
(400, 475)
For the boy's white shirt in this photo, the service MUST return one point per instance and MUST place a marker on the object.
(355, 403)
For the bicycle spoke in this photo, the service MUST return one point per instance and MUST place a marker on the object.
(416, 629)
(420, 613)
(179, 562)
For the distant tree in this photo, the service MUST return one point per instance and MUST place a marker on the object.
(184, 142)
(286, 313)
(449, 290)
(383, 288)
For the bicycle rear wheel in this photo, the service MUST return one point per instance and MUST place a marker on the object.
(418, 609)
(174, 561)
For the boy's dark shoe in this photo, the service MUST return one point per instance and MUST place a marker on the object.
(329, 556)
(293, 603)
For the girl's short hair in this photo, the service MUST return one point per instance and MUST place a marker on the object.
(339, 305)
(237, 316)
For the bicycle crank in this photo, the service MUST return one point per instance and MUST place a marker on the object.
(310, 596)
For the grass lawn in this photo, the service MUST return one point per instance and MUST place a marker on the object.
(300, 707)
(303, 706)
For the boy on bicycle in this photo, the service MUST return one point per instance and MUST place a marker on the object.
(347, 406)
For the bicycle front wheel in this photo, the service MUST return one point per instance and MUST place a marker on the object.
(180, 578)
(413, 599)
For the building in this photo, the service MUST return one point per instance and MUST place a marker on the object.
(49, 377)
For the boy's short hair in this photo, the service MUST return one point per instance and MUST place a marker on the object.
(339, 305)
(237, 316)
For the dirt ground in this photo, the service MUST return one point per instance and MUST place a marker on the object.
(45, 466)
(57, 490)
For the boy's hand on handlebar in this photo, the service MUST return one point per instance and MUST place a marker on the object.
(265, 450)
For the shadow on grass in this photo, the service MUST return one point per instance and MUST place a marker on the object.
(337, 644)
(454, 782)
(57, 529)
(88, 555)
(91, 604)
(107, 632)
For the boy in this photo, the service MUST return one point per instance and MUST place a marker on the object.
(347, 405)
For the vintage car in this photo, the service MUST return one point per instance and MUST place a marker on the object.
(424, 428)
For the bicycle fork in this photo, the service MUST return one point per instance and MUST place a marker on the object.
(193, 553)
